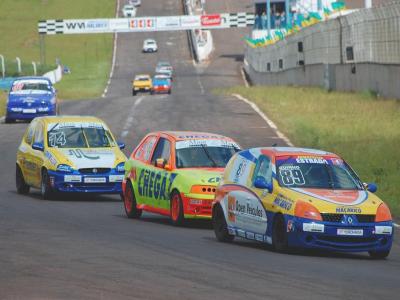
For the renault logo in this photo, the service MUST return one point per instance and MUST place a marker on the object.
(350, 220)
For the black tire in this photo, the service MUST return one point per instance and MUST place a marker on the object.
(279, 235)
(129, 198)
(151, 92)
(378, 255)
(8, 120)
(176, 212)
(169, 91)
(220, 226)
(133, 93)
(45, 188)
(22, 187)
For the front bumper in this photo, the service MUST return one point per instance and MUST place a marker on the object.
(141, 88)
(29, 115)
(105, 183)
(360, 237)
(197, 206)
(161, 89)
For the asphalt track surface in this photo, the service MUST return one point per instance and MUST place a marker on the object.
(86, 248)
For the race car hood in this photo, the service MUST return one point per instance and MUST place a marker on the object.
(139, 83)
(79, 158)
(202, 176)
(30, 97)
(338, 201)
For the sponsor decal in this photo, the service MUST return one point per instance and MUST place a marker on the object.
(97, 24)
(142, 23)
(75, 25)
(311, 160)
(290, 226)
(348, 210)
(240, 170)
(119, 24)
(191, 143)
(248, 208)
(78, 153)
(51, 158)
(168, 22)
(283, 202)
(155, 185)
(211, 20)
(231, 209)
(190, 21)
(214, 179)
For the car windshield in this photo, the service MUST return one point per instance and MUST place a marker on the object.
(142, 79)
(316, 172)
(204, 153)
(78, 135)
(39, 85)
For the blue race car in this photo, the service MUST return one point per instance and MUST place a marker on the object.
(161, 84)
(30, 97)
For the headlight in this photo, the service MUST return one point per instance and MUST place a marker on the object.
(120, 168)
(307, 211)
(64, 168)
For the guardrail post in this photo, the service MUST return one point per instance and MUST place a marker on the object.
(18, 64)
(3, 69)
(34, 68)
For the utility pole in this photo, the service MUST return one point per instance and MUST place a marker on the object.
(42, 49)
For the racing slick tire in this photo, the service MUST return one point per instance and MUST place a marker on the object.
(378, 255)
(279, 235)
(45, 188)
(169, 92)
(22, 187)
(220, 226)
(8, 120)
(133, 93)
(151, 92)
(131, 210)
(177, 216)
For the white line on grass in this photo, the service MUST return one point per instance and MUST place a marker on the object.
(266, 119)
(113, 57)
(396, 225)
(129, 120)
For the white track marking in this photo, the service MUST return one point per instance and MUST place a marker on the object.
(246, 83)
(266, 119)
(113, 57)
(200, 85)
(129, 120)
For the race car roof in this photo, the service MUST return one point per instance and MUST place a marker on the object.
(287, 151)
(190, 135)
(52, 119)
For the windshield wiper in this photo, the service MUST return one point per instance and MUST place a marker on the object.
(209, 156)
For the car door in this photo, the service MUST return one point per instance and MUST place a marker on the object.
(37, 157)
(159, 177)
(246, 212)
(27, 165)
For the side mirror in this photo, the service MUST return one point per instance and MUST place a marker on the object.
(162, 163)
(260, 183)
(372, 187)
(38, 146)
(121, 145)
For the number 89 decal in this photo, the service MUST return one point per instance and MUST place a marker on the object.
(291, 175)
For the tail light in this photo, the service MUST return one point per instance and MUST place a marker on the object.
(383, 213)
(307, 211)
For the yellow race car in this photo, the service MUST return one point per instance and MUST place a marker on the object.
(69, 154)
(141, 83)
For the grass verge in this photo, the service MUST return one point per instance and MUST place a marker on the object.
(88, 56)
(363, 129)
(3, 98)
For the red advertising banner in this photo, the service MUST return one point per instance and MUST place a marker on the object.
(211, 20)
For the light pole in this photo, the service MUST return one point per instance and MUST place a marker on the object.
(3, 70)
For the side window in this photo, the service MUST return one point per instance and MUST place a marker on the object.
(263, 169)
(38, 134)
(29, 135)
(145, 149)
(163, 150)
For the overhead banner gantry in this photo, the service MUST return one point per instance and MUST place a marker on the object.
(146, 24)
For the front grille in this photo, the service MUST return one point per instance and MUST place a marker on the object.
(94, 171)
(366, 218)
(335, 218)
(347, 239)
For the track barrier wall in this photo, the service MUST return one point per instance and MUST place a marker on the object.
(356, 52)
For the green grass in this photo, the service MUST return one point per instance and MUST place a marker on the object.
(361, 128)
(3, 98)
(88, 56)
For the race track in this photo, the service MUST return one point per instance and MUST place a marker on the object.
(86, 248)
